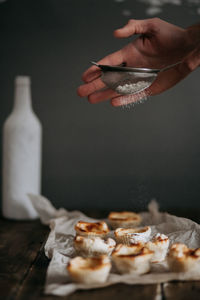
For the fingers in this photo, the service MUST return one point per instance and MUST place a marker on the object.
(94, 72)
(135, 27)
(102, 96)
(91, 87)
(116, 58)
(91, 74)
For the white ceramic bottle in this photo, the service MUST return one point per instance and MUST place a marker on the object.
(21, 155)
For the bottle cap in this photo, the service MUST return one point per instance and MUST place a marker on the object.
(23, 80)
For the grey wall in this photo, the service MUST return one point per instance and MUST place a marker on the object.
(97, 156)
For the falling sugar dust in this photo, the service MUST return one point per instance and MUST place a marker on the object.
(130, 101)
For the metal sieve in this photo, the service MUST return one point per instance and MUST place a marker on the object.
(127, 80)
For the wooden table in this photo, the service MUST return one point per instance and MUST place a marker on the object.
(23, 267)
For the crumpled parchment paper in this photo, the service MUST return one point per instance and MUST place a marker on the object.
(59, 246)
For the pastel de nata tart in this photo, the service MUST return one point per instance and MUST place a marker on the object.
(132, 235)
(183, 259)
(89, 246)
(159, 245)
(132, 259)
(92, 229)
(90, 270)
(124, 219)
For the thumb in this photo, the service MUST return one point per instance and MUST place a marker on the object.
(135, 27)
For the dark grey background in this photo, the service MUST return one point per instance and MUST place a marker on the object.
(97, 156)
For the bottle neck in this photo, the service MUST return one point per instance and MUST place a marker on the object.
(22, 98)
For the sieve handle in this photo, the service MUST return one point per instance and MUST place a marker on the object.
(170, 66)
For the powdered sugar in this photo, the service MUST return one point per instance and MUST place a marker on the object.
(93, 245)
(161, 236)
(132, 88)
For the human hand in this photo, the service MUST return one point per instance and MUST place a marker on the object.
(160, 44)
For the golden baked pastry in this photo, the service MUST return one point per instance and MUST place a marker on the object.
(90, 246)
(159, 245)
(132, 235)
(183, 259)
(92, 229)
(134, 259)
(124, 219)
(90, 270)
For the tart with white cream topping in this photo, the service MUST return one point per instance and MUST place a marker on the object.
(159, 245)
(132, 235)
(89, 246)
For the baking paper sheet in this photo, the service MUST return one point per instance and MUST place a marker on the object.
(59, 246)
